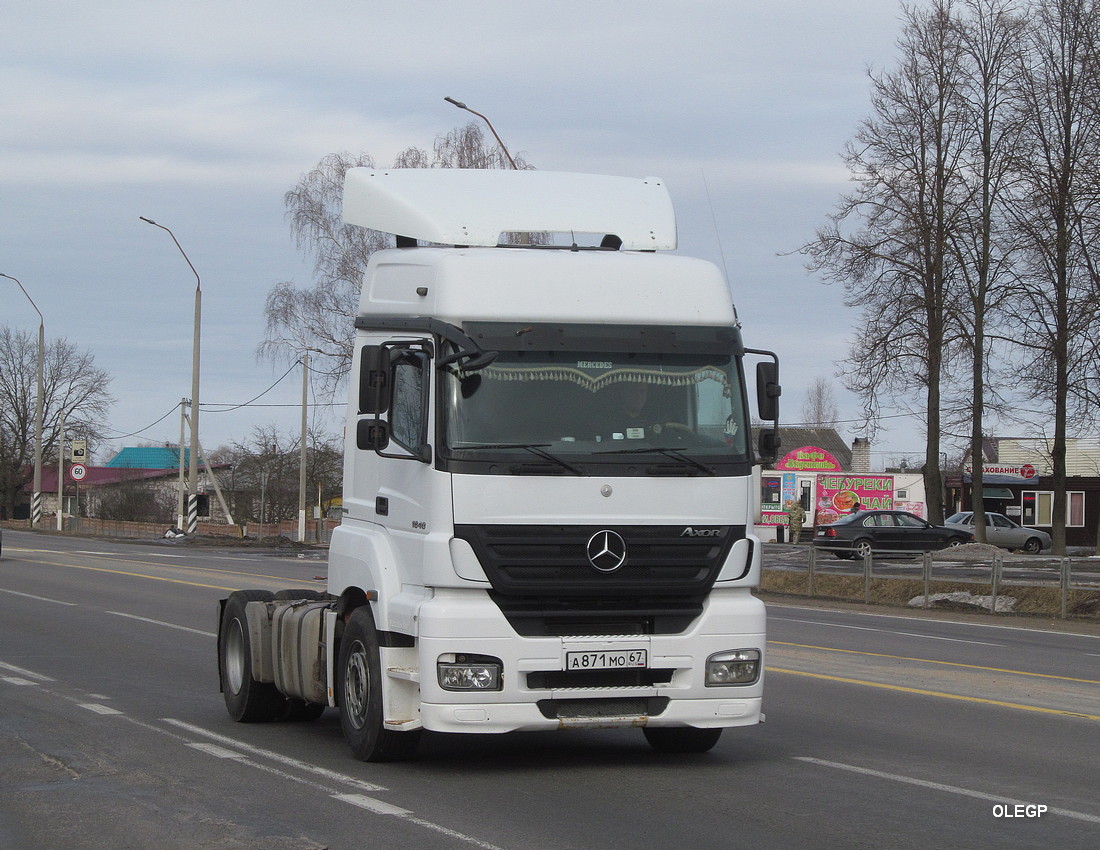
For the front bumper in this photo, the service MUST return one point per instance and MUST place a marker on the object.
(536, 696)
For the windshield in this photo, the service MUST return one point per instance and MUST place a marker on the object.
(543, 407)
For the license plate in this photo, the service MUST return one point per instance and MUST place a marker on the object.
(606, 660)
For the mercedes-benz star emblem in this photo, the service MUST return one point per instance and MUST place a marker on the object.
(606, 551)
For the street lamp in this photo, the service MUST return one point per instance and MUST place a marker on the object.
(462, 105)
(192, 469)
(36, 500)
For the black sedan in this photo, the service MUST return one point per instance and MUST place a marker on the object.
(859, 534)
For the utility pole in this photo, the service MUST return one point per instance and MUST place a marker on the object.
(36, 499)
(192, 468)
(302, 460)
(462, 105)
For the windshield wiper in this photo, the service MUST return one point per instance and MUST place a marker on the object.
(675, 454)
(535, 448)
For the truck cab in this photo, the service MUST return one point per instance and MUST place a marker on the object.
(548, 482)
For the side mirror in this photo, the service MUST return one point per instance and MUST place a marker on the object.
(768, 391)
(372, 434)
(769, 443)
(374, 379)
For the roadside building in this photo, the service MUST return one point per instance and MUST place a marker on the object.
(138, 483)
(1017, 482)
(828, 478)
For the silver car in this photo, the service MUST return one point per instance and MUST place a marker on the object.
(1003, 532)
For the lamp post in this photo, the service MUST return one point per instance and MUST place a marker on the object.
(462, 105)
(36, 500)
(192, 469)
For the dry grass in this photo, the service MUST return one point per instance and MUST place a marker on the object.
(1039, 601)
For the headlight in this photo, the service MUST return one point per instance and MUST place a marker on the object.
(459, 672)
(737, 667)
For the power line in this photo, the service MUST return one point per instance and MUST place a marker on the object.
(146, 428)
(261, 395)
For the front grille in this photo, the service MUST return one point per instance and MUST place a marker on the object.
(592, 709)
(545, 680)
(545, 585)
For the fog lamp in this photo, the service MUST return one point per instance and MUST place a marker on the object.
(459, 672)
(737, 667)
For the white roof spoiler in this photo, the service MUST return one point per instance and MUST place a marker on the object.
(452, 206)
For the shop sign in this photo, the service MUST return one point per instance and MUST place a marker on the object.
(837, 495)
(809, 459)
(993, 474)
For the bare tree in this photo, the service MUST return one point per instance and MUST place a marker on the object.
(819, 409)
(318, 319)
(73, 389)
(1056, 214)
(991, 34)
(896, 265)
(263, 483)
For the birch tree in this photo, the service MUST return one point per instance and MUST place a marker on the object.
(318, 319)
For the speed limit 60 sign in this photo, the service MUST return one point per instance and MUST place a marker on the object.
(78, 471)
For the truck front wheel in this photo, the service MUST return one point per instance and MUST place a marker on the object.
(247, 700)
(359, 686)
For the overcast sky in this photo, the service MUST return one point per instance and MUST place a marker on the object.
(201, 115)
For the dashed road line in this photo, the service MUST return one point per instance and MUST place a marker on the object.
(39, 598)
(162, 623)
(926, 693)
(939, 786)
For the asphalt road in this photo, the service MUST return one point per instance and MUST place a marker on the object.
(882, 731)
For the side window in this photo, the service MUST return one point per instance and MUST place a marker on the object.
(394, 386)
(409, 414)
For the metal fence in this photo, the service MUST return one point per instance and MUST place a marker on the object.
(1067, 574)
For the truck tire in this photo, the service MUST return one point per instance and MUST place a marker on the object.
(247, 700)
(681, 739)
(359, 691)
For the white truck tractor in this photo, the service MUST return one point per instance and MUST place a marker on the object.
(549, 490)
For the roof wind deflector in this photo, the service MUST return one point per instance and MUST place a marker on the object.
(472, 207)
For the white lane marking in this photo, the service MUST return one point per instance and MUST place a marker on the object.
(16, 680)
(359, 800)
(887, 631)
(331, 775)
(216, 751)
(98, 708)
(939, 786)
(39, 598)
(370, 804)
(162, 623)
(30, 674)
(910, 619)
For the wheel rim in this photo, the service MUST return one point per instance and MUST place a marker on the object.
(234, 657)
(356, 685)
(863, 549)
(1032, 546)
(955, 543)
